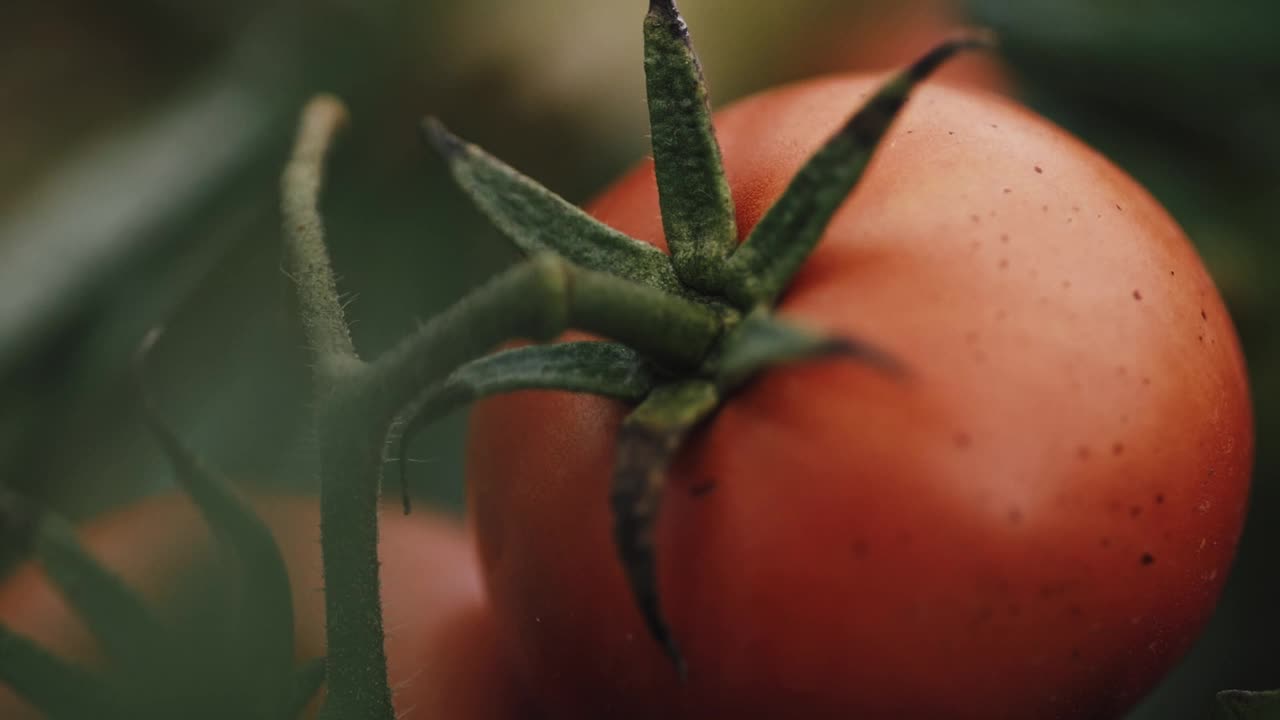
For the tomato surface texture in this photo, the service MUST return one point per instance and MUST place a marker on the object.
(1033, 522)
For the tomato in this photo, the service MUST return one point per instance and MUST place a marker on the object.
(441, 641)
(1034, 522)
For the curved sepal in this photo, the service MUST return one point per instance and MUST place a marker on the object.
(58, 689)
(127, 629)
(599, 368)
(763, 340)
(1244, 705)
(307, 680)
(537, 220)
(764, 264)
(265, 611)
(697, 208)
(647, 442)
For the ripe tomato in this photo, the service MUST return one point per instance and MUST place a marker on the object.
(1034, 523)
(441, 641)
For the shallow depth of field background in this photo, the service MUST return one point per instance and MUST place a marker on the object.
(140, 142)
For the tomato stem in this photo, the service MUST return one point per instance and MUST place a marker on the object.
(350, 441)
(307, 257)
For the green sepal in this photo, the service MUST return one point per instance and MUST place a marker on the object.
(265, 610)
(697, 207)
(126, 628)
(647, 442)
(762, 267)
(537, 220)
(763, 340)
(60, 690)
(307, 680)
(1245, 705)
(599, 368)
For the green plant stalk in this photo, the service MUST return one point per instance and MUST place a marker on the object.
(357, 402)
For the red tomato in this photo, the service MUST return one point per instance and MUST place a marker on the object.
(1034, 524)
(441, 641)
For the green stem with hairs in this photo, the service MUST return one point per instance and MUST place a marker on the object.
(358, 402)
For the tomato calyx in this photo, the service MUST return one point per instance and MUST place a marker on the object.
(697, 318)
(739, 283)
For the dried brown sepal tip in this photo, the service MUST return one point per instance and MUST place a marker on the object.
(437, 136)
(667, 9)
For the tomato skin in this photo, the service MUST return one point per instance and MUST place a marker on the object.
(441, 638)
(1036, 522)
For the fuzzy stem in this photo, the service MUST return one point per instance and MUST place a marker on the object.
(538, 300)
(307, 257)
(350, 441)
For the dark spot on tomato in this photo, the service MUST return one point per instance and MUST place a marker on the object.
(1135, 511)
(1082, 452)
(1117, 449)
(975, 218)
(1200, 338)
(1004, 238)
(700, 489)
(983, 615)
(1066, 284)
(1039, 170)
(951, 132)
(1203, 315)
(1119, 208)
(1105, 542)
(1075, 653)
(1075, 611)
(1053, 590)
(1004, 263)
(1159, 498)
(1146, 381)
(971, 337)
(1147, 559)
(1015, 516)
(962, 440)
(995, 126)
(1137, 295)
(1008, 190)
(860, 548)
(1044, 208)
(1075, 208)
